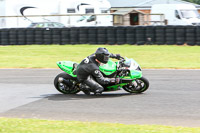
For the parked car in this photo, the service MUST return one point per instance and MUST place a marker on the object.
(46, 25)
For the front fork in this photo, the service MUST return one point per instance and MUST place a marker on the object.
(135, 83)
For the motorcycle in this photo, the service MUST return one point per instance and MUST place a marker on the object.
(128, 70)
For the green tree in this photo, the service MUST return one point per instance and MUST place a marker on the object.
(193, 1)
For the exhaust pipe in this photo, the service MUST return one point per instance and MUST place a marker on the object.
(60, 79)
(66, 82)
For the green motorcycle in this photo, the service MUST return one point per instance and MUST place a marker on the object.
(128, 70)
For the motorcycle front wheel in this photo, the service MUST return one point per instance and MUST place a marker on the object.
(67, 87)
(137, 86)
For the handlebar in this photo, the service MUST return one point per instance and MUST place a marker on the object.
(121, 60)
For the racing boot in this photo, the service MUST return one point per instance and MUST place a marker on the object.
(99, 90)
(85, 89)
(93, 85)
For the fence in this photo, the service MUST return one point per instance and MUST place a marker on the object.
(139, 35)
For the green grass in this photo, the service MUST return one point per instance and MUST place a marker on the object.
(46, 56)
(8, 125)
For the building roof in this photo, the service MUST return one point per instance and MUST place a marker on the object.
(144, 3)
(124, 11)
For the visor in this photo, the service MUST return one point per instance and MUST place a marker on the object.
(106, 58)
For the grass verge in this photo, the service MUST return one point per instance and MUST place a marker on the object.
(148, 56)
(11, 125)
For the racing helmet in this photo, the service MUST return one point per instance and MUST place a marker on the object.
(102, 55)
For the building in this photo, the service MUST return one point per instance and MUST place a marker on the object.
(137, 12)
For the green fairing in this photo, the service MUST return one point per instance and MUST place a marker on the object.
(134, 74)
(108, 68)
(66, 66)
(115, 87)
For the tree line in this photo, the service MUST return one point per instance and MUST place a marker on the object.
(193, 1)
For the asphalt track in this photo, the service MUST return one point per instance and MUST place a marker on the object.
(172, 99)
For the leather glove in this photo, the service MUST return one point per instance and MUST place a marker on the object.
(118, 80)
(112, 80)
(115, 80)
(118, 56)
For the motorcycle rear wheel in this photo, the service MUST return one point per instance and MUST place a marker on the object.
(137, 86)
(69, 88)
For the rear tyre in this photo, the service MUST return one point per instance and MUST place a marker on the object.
(68, 87)
(137, 86)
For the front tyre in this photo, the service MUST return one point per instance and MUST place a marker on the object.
(137, 86)
(67, 87)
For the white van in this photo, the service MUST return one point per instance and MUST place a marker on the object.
(176, 14)
(86, 7)
(78, 12)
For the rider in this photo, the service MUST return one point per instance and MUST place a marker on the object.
(89, 74)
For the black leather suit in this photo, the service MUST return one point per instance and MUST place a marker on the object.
(89, 74)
